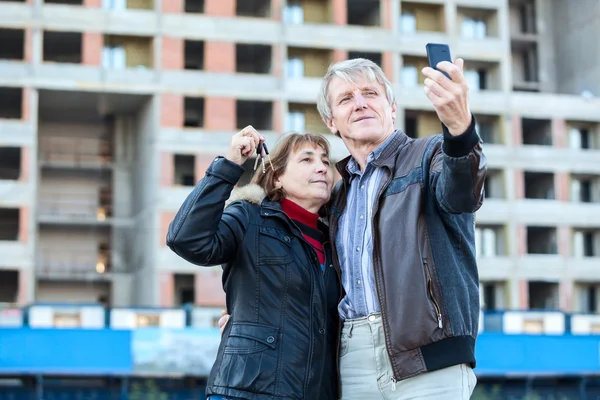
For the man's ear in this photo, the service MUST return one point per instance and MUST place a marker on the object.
(394, 109)
(331, 126)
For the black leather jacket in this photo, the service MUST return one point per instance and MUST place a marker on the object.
(281, 340)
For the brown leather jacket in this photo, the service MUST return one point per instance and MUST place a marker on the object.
(424, 249)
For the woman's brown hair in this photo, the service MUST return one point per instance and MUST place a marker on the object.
(285, 146)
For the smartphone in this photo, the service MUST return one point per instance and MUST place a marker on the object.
(437, 52)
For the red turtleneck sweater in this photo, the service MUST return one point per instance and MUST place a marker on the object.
(307, 222)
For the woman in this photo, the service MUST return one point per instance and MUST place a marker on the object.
(281, 291)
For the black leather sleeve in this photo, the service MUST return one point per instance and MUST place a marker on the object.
(203, 231)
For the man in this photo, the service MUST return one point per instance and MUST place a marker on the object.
(402, 224)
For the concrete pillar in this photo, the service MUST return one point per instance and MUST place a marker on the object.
(91, 52)
(519, 184)
(209, 289)
(219, 57)
(339, 55)
(517, 130)
(220, 8)
(202, 162)
(559, 133)
(521, 240)
(450, 18)
(277, 9)
(167, 169)
(524, 295)
(340, 12)
(172, 53)
(167, 289)
(171, 110)
(566, 295)
(172, 6)
(220, 114)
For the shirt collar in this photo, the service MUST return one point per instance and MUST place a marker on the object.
(353, 167)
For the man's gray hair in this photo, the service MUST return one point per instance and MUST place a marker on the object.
(351, 71)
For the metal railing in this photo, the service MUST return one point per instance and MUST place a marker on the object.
(75, 151)
(73, 262)
(74, 205)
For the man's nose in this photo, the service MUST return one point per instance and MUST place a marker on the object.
(359, 101)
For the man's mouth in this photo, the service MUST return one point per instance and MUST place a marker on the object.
(362, 118)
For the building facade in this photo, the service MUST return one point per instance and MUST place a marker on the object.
(111, 110)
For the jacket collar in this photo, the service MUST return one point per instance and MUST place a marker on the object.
(386, 158)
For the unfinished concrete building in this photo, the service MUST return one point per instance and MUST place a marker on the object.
(110, 111)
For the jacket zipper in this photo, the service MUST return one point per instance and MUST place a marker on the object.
(375, 246)
(431, 296)
(315, 259)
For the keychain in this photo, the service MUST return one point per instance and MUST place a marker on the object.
(262, 146)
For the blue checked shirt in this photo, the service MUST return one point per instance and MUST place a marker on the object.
(354, 240)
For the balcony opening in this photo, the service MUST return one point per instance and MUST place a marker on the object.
(72, 252)
(489, 128)
(375, 57)
(419, 124)
(304, 118)
(253, 8)
(539, 185)
(525, 66)
(477, 23)
(494, 187)
(541, 240)
(522, 17)
(293, 13)
(253, 58)
(307, 63)
(586, 242)
(584, 136)
(9, 286)
(410, 75)
(364, 13)
(62, 47)
(481, 75)
(185, 289)
(259, 114)
(75, 195)
(127, 4)
(13, 44)
(184, 171)
(536, 132)
(419, 17)
(193, 112)
(9, 224)
(307, 11)
(193, 6)
(122, 52)
(11, 100)
(490, 241)
(410, 126)
(494, 296)
(10, 163)
(194, 54)
(585, 188)
(587, 297)
(543, 295)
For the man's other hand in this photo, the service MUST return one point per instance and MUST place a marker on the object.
(223, 320)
